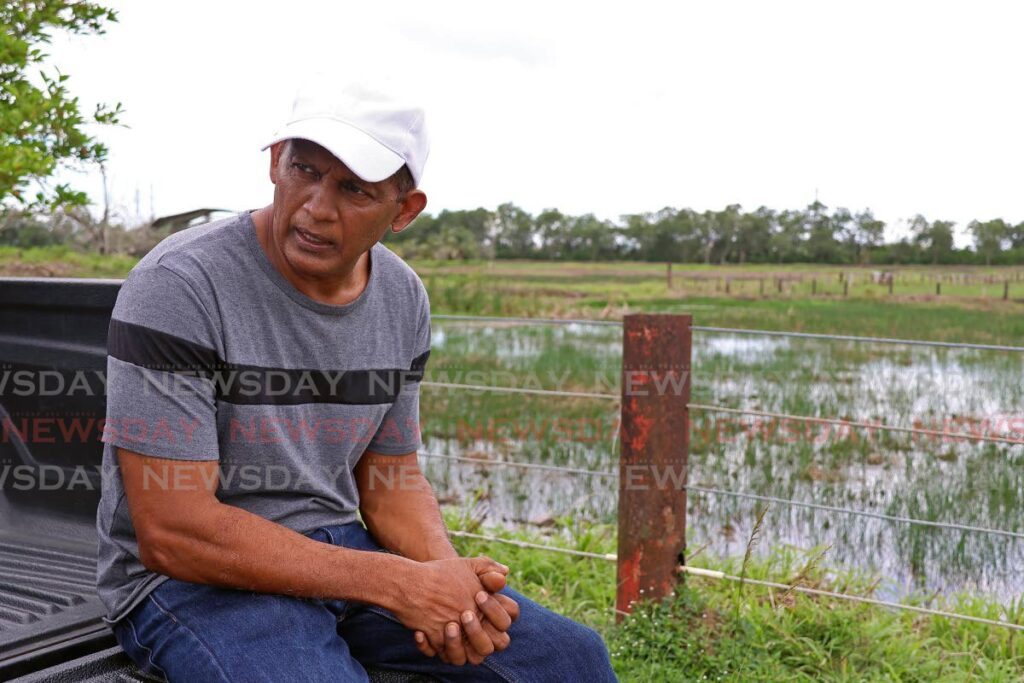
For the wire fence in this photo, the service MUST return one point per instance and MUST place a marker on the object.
(708, 408)
(966, 436)
(716, 575)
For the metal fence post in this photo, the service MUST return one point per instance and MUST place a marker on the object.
(655, 444)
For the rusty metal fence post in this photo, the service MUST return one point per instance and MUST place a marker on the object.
(655, 444)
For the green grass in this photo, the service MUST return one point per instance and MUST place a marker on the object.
(62, 261)
(714, 631)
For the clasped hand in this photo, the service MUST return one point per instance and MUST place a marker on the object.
(456, 611)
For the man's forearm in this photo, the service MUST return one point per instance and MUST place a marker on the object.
(227, 546)
(403, 515)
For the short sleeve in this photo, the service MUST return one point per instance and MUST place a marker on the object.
(399, 432)
(161, 347)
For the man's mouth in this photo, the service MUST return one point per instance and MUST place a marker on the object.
(311, 239)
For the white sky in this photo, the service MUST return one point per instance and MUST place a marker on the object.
(903, 107)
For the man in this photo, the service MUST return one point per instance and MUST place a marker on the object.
(263, 379)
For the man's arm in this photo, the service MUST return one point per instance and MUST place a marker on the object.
(400, 509)
(184, 532)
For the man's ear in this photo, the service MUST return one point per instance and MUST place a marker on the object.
(276, 150)
(413, 205)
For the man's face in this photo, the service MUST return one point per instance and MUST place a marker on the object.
(325, 217)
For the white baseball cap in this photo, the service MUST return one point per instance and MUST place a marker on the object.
(372, 131)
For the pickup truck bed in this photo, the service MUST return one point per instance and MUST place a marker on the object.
(49, 612)
(50, 618)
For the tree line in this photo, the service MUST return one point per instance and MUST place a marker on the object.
(816, 234)
(730, 236)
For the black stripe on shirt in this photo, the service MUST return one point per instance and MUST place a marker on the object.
(255, 385)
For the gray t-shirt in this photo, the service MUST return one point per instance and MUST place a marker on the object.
(214, 355)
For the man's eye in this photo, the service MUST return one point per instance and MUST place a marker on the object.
(353, 188)
(305, 168)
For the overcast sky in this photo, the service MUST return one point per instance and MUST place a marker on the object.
(903, 107)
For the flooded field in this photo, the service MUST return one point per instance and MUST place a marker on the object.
(916, 476)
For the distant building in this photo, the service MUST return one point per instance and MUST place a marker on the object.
(180, 221)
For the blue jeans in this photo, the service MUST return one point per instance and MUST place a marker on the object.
(199, 633)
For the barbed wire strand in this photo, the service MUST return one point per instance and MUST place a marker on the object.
(742, 331)
(739, 494)
(853, 338)
(610, 557)
(858, 513)
(519, 390)
(526, 321)
(521, 465)
(855, 423)
(722, 576)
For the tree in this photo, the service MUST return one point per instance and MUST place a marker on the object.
(1016, 236)
(919, 231)
(865, 232)
(789, 240)
(515, 233)
(942, 241)
(934, 240)
(42, 126)
(595, 238)
(556, 239)
(728, 221)
(708, 231)
(822, 245)
(754, 234)
(23, 229)
(989, 237)
(667, 235)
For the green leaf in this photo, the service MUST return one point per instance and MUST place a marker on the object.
(42, 129)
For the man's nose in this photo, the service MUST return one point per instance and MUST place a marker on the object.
(322, 205)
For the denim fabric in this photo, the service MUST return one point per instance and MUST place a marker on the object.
(198, 633)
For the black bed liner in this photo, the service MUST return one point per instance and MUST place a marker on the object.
(49, 612)
(48, 605)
